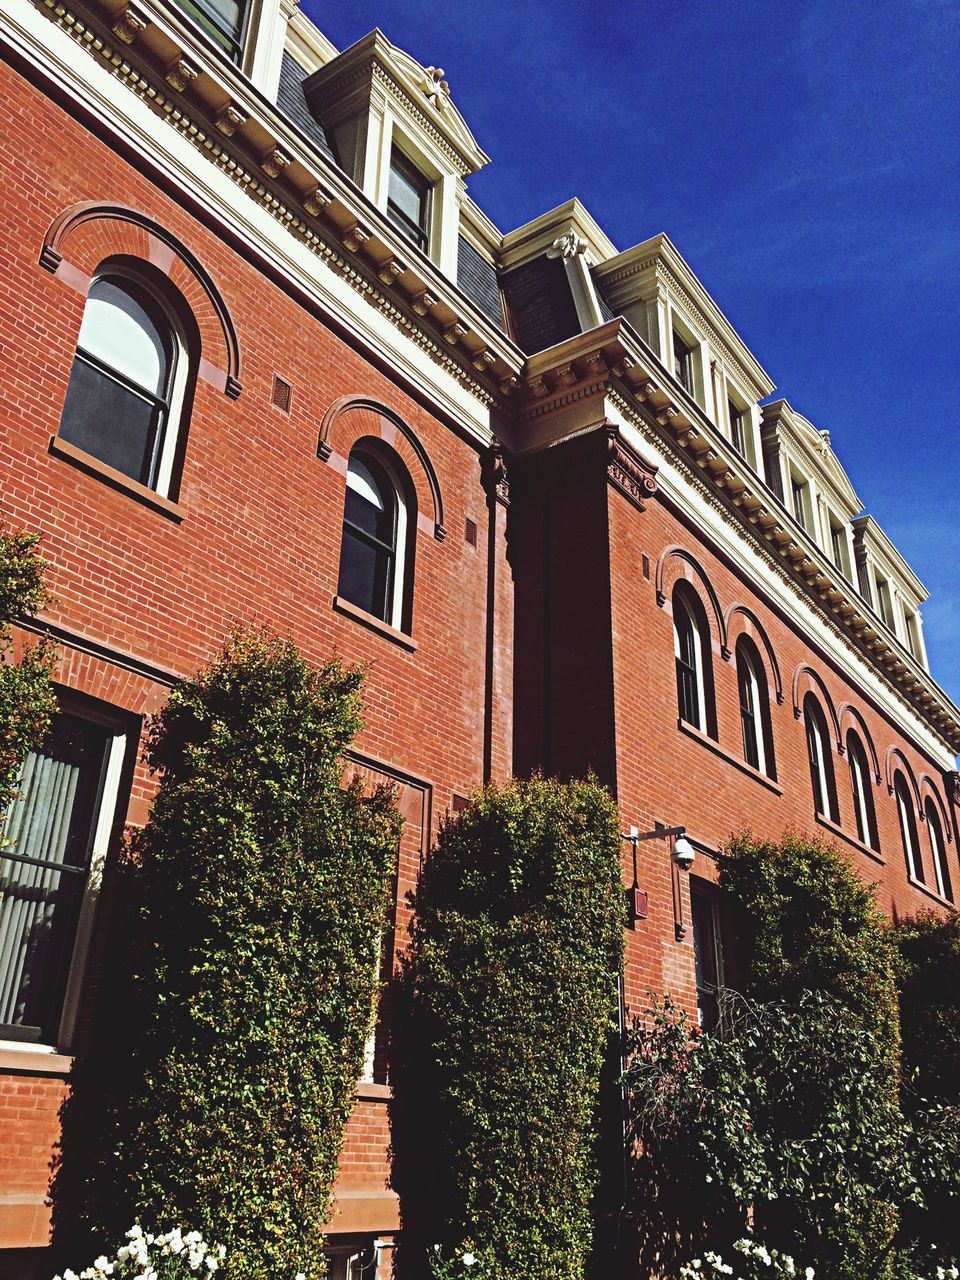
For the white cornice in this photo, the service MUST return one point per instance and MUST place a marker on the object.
(813, 447)
(307, 44)
(536, 237)
(320, 274)
(627, 278)
(555, 399)
(879, 546)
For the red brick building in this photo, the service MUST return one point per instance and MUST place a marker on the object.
(265, 360)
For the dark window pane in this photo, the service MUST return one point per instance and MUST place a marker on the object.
(50, 828)
(221, 19)
(111, 422)
(377, 521)
(366, 571)
(748, 719)
(706, 957)
(120, 335)
(687, 691)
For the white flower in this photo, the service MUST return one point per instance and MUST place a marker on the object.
(468, 1259)
(211, 1262)
(809, 1273)
(300, 1276)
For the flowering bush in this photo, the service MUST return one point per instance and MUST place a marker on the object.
(756, 1261)
(154, 1257)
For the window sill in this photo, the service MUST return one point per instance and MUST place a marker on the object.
(931, 893)
(367, 1091)
(374, 624)
(25, 1058)
(705, 740)
(110, 475)
(829, 825)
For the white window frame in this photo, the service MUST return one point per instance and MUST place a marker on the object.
(816, 726)
(398, 595)
(756, 705)
(861, 807)
(699, 642)
(178, 376)
(938, 850)
(908, 829)
(103, 823)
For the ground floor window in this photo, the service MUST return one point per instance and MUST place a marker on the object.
(54, 840)
(707, 952)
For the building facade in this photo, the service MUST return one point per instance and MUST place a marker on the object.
(266, 361)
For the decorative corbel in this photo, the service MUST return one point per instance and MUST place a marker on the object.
(537, 385)
(128, 25)
(565, 376)
(509, 384)
(390, 271)
(273, 162)
(568, 246)
(424, 302)
(179, 74)
(354, 236)
(229, 120)
(315, 201)
(483, 360)
(627, 470)
(494, 474)
(454, 332)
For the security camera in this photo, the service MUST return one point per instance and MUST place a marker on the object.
(683, 853)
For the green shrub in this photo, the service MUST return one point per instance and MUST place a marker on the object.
(26, 698)
(262, 885)
(512, 989)
(805, 921)
(929, 984)
(785, 1122)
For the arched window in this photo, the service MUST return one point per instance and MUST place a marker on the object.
(754, 708)
(862, 792)
(940, 869)
(374, 553)
(691, 647)
(821, 760)
(128, 379)
(908, 828)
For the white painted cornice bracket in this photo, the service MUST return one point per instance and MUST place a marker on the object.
(571, 248)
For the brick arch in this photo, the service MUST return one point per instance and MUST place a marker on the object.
(851, 718)
(896, 759)
(930, 789)
(741, 620)
(677, 562)
(806, 680)
(351, 417)
(97, 230)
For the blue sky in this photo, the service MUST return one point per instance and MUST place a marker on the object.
(804, 158)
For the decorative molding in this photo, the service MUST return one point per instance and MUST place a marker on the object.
(935, 720)
(229, 120)
(952, 780)
(273, 162)
(759, 630)
(51, 254)
(568, 246)
(128, 25)
(194, 130)
(452, 333)
(179, 74)
(814, 678)
(343, 405)
(354, 236)
(494, 474)
(894, 753)
(483, 360)
(677, 552)
(627, 471)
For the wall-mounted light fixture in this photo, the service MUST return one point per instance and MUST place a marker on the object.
(682, 853)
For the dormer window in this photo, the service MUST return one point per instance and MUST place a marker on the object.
(682, 363)
(737, 433)
(837, 547)
(912, 630)
(408, 200)
(798, 500)
(222, 20)
(885, 602)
